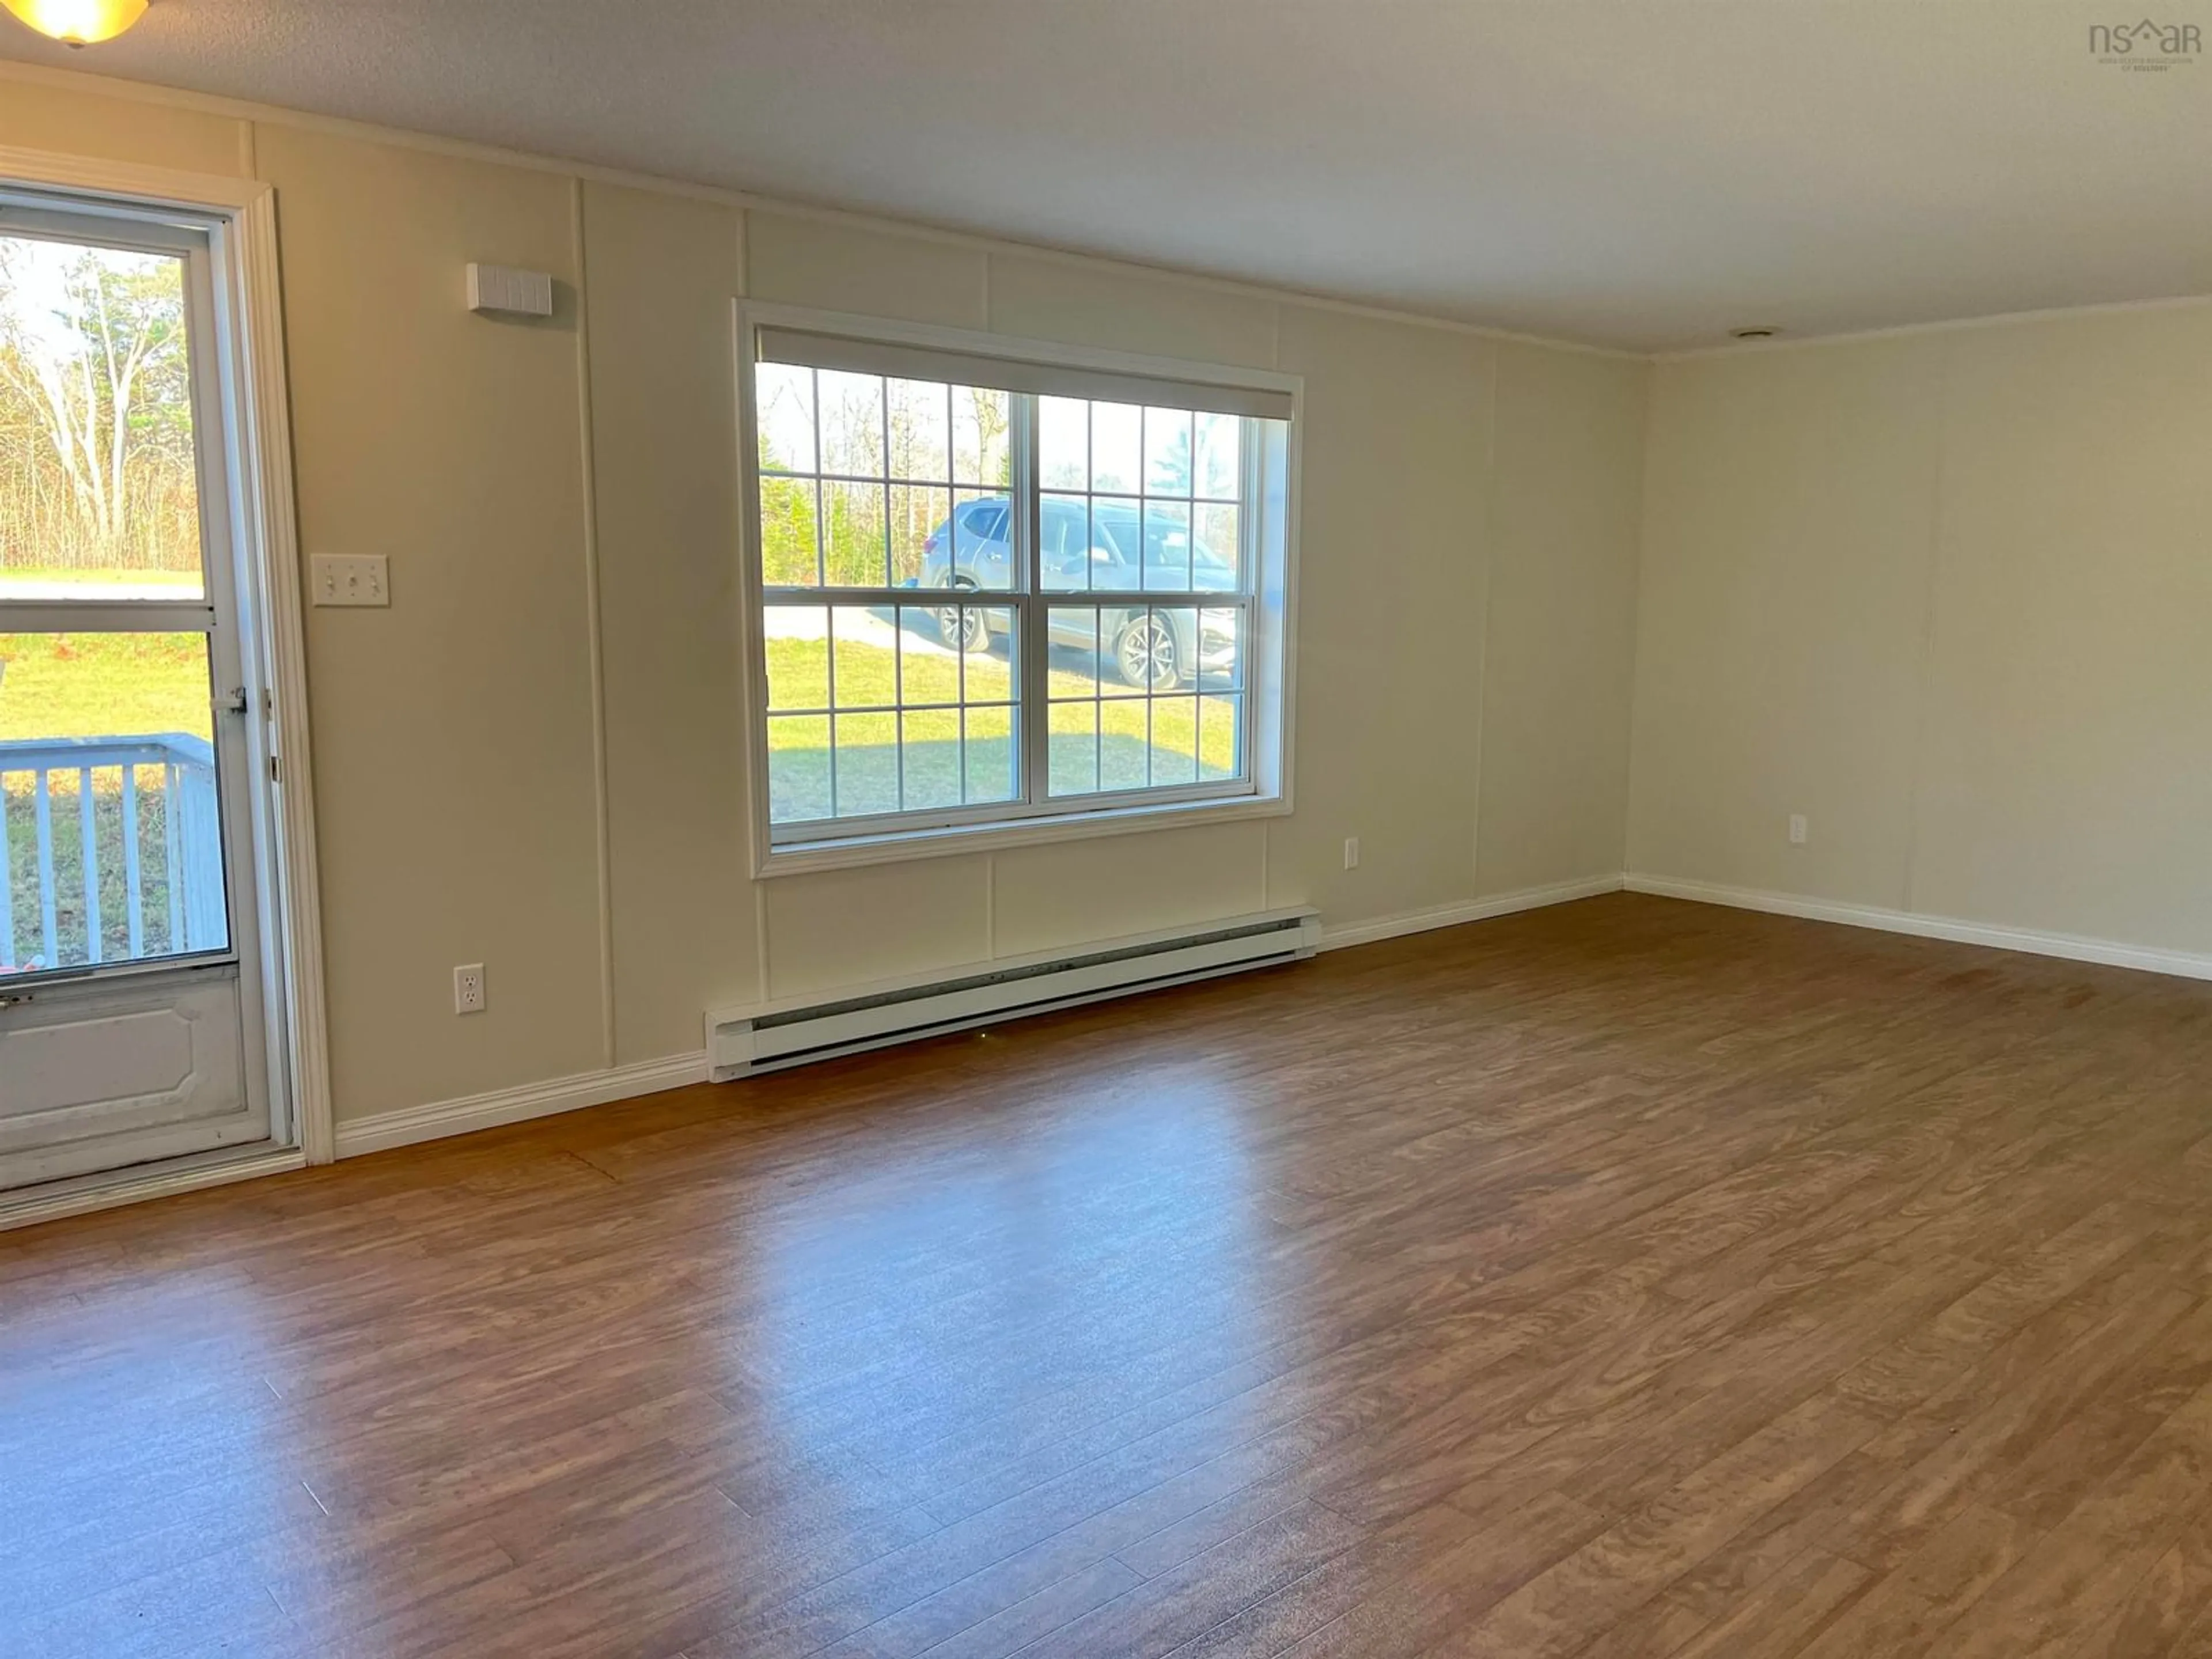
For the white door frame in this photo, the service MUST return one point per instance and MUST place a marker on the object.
(250, 333)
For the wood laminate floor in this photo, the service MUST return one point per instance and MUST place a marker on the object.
(1627, 1278)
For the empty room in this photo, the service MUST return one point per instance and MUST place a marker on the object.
(1105, 829)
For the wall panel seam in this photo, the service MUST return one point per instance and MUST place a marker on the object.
(1647, 387)
(594, 625)
(1931, 586)
(1488, 554)
(740, 550)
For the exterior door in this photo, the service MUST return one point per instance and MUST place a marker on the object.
(131, 1028)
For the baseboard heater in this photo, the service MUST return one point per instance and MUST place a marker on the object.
(765, 1037)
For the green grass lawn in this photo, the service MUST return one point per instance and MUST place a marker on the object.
(103, 685)
(1099, 739)
(93, 685)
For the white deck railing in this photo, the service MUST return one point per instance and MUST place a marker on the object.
(181, 886)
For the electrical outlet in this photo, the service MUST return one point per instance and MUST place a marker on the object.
(1801, 830)
(360, 580)
(1352, 853)
(469, 989)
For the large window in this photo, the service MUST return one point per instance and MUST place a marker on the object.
(996, 591)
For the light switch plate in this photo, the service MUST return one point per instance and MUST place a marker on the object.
(351, 579)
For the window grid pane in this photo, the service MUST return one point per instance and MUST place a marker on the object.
(982, 431)
(1159, 692)
(977, 545)
(857, 485)
(850, 423)
(1074, 729)
(1100, 535)
(1221, 738)
(1217, 459)
(783, 403)
(800, 762)
(930, 764)
(918, 431)
(988, 732)
(869, 706)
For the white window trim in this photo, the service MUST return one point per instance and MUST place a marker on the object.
(1270, 693)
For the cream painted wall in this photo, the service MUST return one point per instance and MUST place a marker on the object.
(1945, 593)
(1397, 485)
(661, 271)
(452, 732)
(122, 127)
(1401, 523)
(533, 758)
(1782, 607)
(1559, 660)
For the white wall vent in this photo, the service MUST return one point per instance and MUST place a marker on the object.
(741, 1042)
(504, 291)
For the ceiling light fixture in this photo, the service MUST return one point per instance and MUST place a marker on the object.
(1758, 332)
(78, 22)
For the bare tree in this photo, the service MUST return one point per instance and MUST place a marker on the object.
(102, 374)
(990, 411)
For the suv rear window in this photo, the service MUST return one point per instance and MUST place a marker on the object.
(985, 520)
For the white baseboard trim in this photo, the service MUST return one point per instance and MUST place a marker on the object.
(2105, 952)
(498, 1107)
(1451, 916)
(109, 1192)
(502, 1106)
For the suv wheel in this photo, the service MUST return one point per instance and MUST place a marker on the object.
(1148, 655)
(963, 628)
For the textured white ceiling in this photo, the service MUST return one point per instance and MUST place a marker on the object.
(1640, 173)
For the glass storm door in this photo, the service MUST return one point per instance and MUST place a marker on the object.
(131, 1030)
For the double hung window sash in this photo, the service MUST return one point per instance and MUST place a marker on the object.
(995, 590)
